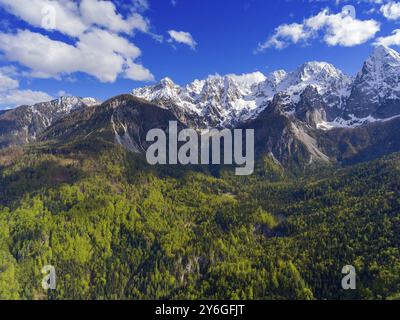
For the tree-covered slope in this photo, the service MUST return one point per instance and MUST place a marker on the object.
(115, 228)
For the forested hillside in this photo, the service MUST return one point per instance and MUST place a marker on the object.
(115, 228)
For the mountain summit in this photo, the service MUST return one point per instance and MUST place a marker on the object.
(23, 124)
(226, 101)
(303, 116)
(376, 89)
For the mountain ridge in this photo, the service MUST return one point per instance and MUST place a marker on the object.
(225, 101)
(24, 124)
(300, 118)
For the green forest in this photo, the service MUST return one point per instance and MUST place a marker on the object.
(115, 228)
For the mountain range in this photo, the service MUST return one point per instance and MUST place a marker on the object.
(315, 113)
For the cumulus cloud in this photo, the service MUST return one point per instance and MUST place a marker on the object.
(392, 40)
(104, 14)
(391, 10)
(64, 13)
(99, 53)
(74, 18)
(137, 72)
(11, 95)
(182, 37)
(99, 45)
(340, 29)
(7, 83)
(285, 33)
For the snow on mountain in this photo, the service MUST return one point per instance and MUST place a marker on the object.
(228, 100)
(329, 82)
(218, 100)
(225, 101)
(381, 72)
(51, 111)
(25, 123)
(376, 89)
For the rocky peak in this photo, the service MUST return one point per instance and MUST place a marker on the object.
(24, 124)
(226, 101)
(380, 66)
(311, 107)
(376, 89)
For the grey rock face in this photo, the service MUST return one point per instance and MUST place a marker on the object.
(376, 89)
(23, 124)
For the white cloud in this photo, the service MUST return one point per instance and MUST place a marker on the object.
(99, 53)
(16, 98)
(339, 29)
(343, 30)
(67, 18)
(11, 95)
(7, 83)
(138, 5)
(137, 72)
(285, 33)
(391, 10)
(392, 40)
(182, 37)
(63, 93)
(73, 18)
(104, 13)
(103, 53)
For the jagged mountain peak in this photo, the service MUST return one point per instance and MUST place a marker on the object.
(376, 89)
(167, 82)
(230, 99)
(317, 70)
(329, 81)
(217, 100)
(23, 124)
(225, 101)
(63, 105)
(384, 52)
(276, 77)
(381, 63)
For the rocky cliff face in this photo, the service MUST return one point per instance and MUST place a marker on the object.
(24, 124)
(228, 101)
(214, 102)
(124, 120)
(376, 89)
(313, 114)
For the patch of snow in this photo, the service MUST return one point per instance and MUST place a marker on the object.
(353, 122)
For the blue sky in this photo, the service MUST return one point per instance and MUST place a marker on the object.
(104, 48)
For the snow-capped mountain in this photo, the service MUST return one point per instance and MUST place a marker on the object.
(225, 101)
(218, 101)
(376, 89)
(330, 83)
(49, 112)
(301, 116)
(25, 123)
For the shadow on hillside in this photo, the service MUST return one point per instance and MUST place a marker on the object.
(136, 165)
(32, 180)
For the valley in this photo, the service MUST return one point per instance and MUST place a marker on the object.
(77, 193)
